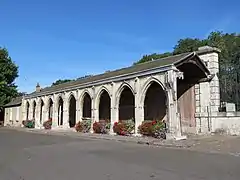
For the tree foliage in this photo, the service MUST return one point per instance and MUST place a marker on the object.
(229, 60)
(60, 81)
(153, 56)
(8, 73)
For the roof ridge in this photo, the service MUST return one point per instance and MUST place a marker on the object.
(140, 64)
(114, 73)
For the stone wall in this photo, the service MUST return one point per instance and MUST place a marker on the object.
(13, 116)
(219, 122)
(227, 123)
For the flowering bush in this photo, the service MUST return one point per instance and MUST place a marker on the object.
(153, 128)
(124, 128)
(47, 124)
(83, 126)
(28, 123)
(101, 127)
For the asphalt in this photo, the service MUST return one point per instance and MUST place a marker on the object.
(29, 156)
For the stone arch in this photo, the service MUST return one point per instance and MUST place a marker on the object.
(146, 86)
(103, 88)
(120, 89)
(72, 110)
(86, 104)
(60, 104)
(126, 102)
(104, 104)
(27, 110)
(41, 108)
(70, 96)
(50, 108)
(154, 99)
(34, 105)
(83, 94)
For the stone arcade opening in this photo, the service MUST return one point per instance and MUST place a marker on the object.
(126, 104)
(155, 102)
(104, 106)
(87, 106)
(72, 111)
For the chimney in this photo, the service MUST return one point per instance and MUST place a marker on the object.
(38, 88)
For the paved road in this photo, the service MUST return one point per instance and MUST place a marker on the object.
(31, 156)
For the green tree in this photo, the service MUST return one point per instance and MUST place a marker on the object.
(151, 57)
(8, 74)
(61, 81)
(188, 45)
(229, 60)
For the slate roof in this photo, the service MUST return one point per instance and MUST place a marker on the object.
(16, 101)
(120, 72)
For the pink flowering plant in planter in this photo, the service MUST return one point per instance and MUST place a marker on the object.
(101, 127)
(155, 128)
(28, 123)
(48, 124)
(83, 126)
(124, 127)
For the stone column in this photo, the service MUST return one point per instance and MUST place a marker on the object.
(55, 113)
(37, 116)
(30, 115)
(174, 124)
(65, 113)
(114, 108)
(139, 110)
(93, 112)
(77, 110)
(95, 109)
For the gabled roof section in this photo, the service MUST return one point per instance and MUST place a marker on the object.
(124, 72)
(195, 59)
(14, 102)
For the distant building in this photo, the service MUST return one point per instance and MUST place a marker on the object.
(13, 112)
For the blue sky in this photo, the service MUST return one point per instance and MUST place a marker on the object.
(51, 39)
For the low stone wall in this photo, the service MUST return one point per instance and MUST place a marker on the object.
(219, 122)
(227, 122)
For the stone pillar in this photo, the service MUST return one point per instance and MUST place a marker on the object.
(96, 109)
(174, 124)
(93, 113)
(65, 114)
(37, 116)
(114, 108)
(139, 110)
(55, 113)
(30, 115)
(78, 116)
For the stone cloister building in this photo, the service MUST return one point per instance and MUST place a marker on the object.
(177, 89)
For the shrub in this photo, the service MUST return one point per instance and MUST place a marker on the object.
(154, 128)
(28, 123)
(124, 128)
(101, 127)
(47, 124)
(83, 126)
(79, 127)
(146, 128)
